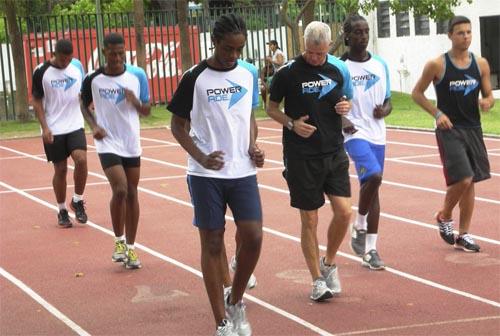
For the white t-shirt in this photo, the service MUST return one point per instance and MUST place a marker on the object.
(219, 105)
(274, 58)
(59, 89)
(114, 114)
(371, 83)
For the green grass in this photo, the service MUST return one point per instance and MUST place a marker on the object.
(405, 113)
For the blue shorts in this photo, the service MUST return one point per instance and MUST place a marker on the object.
(368, 158)
(211, 196)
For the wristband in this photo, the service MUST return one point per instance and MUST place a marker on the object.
(438, 114)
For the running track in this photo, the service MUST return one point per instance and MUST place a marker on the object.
(61, 281)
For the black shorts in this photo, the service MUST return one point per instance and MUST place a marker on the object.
(110, 159)
(463, 154)
(309, 179)
(64, 145)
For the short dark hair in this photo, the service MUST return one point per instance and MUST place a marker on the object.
(113, 38)
(273, 42)
(228, 24)
(64, 47)
(348, 23)
(458, 19)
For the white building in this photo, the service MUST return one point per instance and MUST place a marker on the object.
(407, 42)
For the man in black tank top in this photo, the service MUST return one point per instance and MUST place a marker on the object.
(458, 76)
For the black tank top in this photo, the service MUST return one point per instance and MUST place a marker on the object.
(458, 91)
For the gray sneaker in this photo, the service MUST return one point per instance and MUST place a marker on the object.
(252, 282)
(225, 329)
(372, 260)
(227, 293)
(237, 315)
(331, 275)
(358, 240)
(320, 291)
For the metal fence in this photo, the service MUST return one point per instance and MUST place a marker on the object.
(162, 42)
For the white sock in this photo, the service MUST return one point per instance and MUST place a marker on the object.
(360, 223)
(61, 206)
(371, 242)
(121, 238)
(130, 246)
(77, 198)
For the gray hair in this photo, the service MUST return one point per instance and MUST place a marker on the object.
(317, 32)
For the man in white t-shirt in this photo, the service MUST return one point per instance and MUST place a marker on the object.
(213, 121)
(56, 84)
(370, 105)
(120, 95)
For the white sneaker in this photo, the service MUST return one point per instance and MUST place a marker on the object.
(236, 313)
(226, 329)
(331, 275)
(320, 291)
(227, 293)
(252, 282)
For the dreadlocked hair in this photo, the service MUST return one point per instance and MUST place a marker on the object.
(228, 24)
(348, 23)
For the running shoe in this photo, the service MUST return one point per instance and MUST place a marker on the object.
(227, 294)
(331, 275)
(446, 229)
(79, 209)
(63, 219)
(236, 314)
(372, 260)
(466, 243)
(120, 253)
(225, 329)
(252, 282)
(132, 260)
(358, 241)
(320, 291)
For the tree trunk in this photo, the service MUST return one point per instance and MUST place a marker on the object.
(16, 39)
(139, 33)
(308, 14)
(182, 14)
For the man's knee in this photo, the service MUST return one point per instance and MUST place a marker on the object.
(60, 169)
(120, 191)
(466, 182)
(214, 244)
(79, 158)
(375, 179)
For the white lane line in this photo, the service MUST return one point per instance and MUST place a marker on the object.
(161, 162)
(419, 325)
(173, 261)
(394, 271)
(50, 308)
(143, 179)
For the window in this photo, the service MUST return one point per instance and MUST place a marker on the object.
(402, 24)
(442, 27)
(421, 25)
(383, 19)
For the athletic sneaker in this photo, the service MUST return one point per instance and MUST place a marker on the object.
(132, 261)
(120, 253)
(236, 313)
(466, 243)
(79, 209)
(358, 241)
(331, 275)
(252, 282)
(227, 293)
(225, 329)
(372, 260)
(446, 229)
(320, 291)
(63, 219)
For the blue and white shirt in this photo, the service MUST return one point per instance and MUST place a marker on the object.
(59, 89)
(371, 83)
(218, 104)
(113, 113)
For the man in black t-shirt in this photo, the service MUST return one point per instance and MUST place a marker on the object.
(316, 87)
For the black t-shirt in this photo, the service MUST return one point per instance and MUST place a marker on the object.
(312, 91)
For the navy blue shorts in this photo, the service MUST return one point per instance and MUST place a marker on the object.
(211, 196)
(368, 158)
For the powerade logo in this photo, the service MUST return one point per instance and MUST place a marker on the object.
(322, 86)
(233, 94)
(116, 94)
(65, 83)
(466, 85)
(367, 80)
